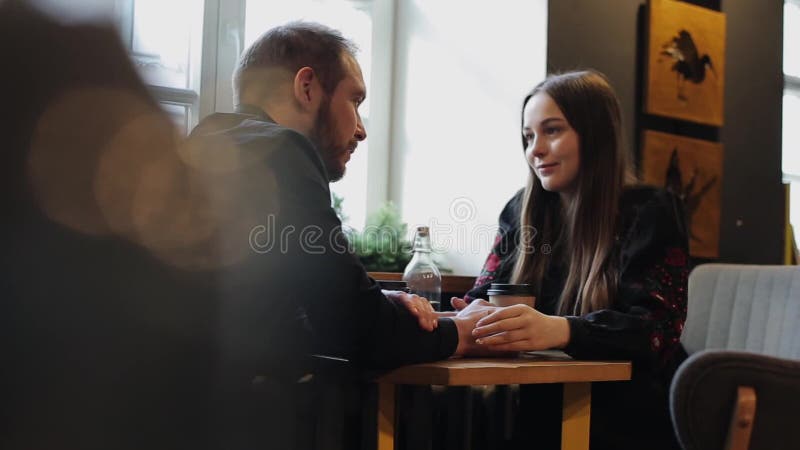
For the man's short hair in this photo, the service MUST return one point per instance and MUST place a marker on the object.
(292, 47)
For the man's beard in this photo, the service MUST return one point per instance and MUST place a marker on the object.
(322, 135)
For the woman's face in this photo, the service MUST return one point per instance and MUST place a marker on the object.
(552, 147)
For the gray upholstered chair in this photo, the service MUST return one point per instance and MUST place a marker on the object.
(740, 388)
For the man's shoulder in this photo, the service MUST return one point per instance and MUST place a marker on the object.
(253, 137)
(245, 128)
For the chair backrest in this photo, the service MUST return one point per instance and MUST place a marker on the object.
(744, 307)
(706, 392)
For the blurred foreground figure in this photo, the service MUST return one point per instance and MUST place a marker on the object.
(107, 316)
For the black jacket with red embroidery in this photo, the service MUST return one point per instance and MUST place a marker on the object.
(643, 323)
(646, 317)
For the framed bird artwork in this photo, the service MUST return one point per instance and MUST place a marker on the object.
(692, 170)
(685, 74)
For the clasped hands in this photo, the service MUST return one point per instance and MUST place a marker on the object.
(485, 329)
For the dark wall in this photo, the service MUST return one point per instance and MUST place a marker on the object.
(603, 35)
(752, 189)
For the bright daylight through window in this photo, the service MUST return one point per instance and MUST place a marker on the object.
(186, 50)
(791, 107)
(355, 20)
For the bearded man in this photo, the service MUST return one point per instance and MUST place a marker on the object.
(300, 291)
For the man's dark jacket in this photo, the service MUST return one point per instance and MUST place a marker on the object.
(300, 290)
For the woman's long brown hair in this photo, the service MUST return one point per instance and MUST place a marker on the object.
(581, 232)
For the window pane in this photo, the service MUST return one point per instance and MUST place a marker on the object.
(791, 38)
(794, 210)
(163, 36)
(179, 115)
(354, 20)
(791, 133)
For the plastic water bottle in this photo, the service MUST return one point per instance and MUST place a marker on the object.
(421, 274)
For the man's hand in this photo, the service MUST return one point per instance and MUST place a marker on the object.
(465, 322)
(458, 303)
(420, 307)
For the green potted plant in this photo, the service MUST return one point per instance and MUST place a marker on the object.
(383, 245)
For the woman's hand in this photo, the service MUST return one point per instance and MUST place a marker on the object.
(521, 328)
(420, 307)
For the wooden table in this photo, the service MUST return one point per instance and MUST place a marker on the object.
(454, 284)
(541, 367)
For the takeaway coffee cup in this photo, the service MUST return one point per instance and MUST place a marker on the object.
(501, 294)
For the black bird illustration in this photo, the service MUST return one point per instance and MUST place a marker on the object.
(689, 65)
(691, 199)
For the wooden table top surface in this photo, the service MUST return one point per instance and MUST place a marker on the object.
(528, 368)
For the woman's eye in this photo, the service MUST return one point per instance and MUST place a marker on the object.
(551, 130)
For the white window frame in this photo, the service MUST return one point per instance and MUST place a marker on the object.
(222, 43)
(223, 40)
(191, 98)
(791, 84)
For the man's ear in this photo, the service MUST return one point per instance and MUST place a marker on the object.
(307, 89)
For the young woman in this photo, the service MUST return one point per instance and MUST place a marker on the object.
(608, 261)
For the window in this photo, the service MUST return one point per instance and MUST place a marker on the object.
(167, 39)
(791, 108)
(438, 110)
(165, 43)
(354, 18)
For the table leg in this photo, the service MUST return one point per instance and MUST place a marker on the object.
(386, 410)
(575, 416)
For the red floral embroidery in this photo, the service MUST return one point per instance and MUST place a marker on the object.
(666, 284)
(492, 263)
(676, 257)
(490, 267)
